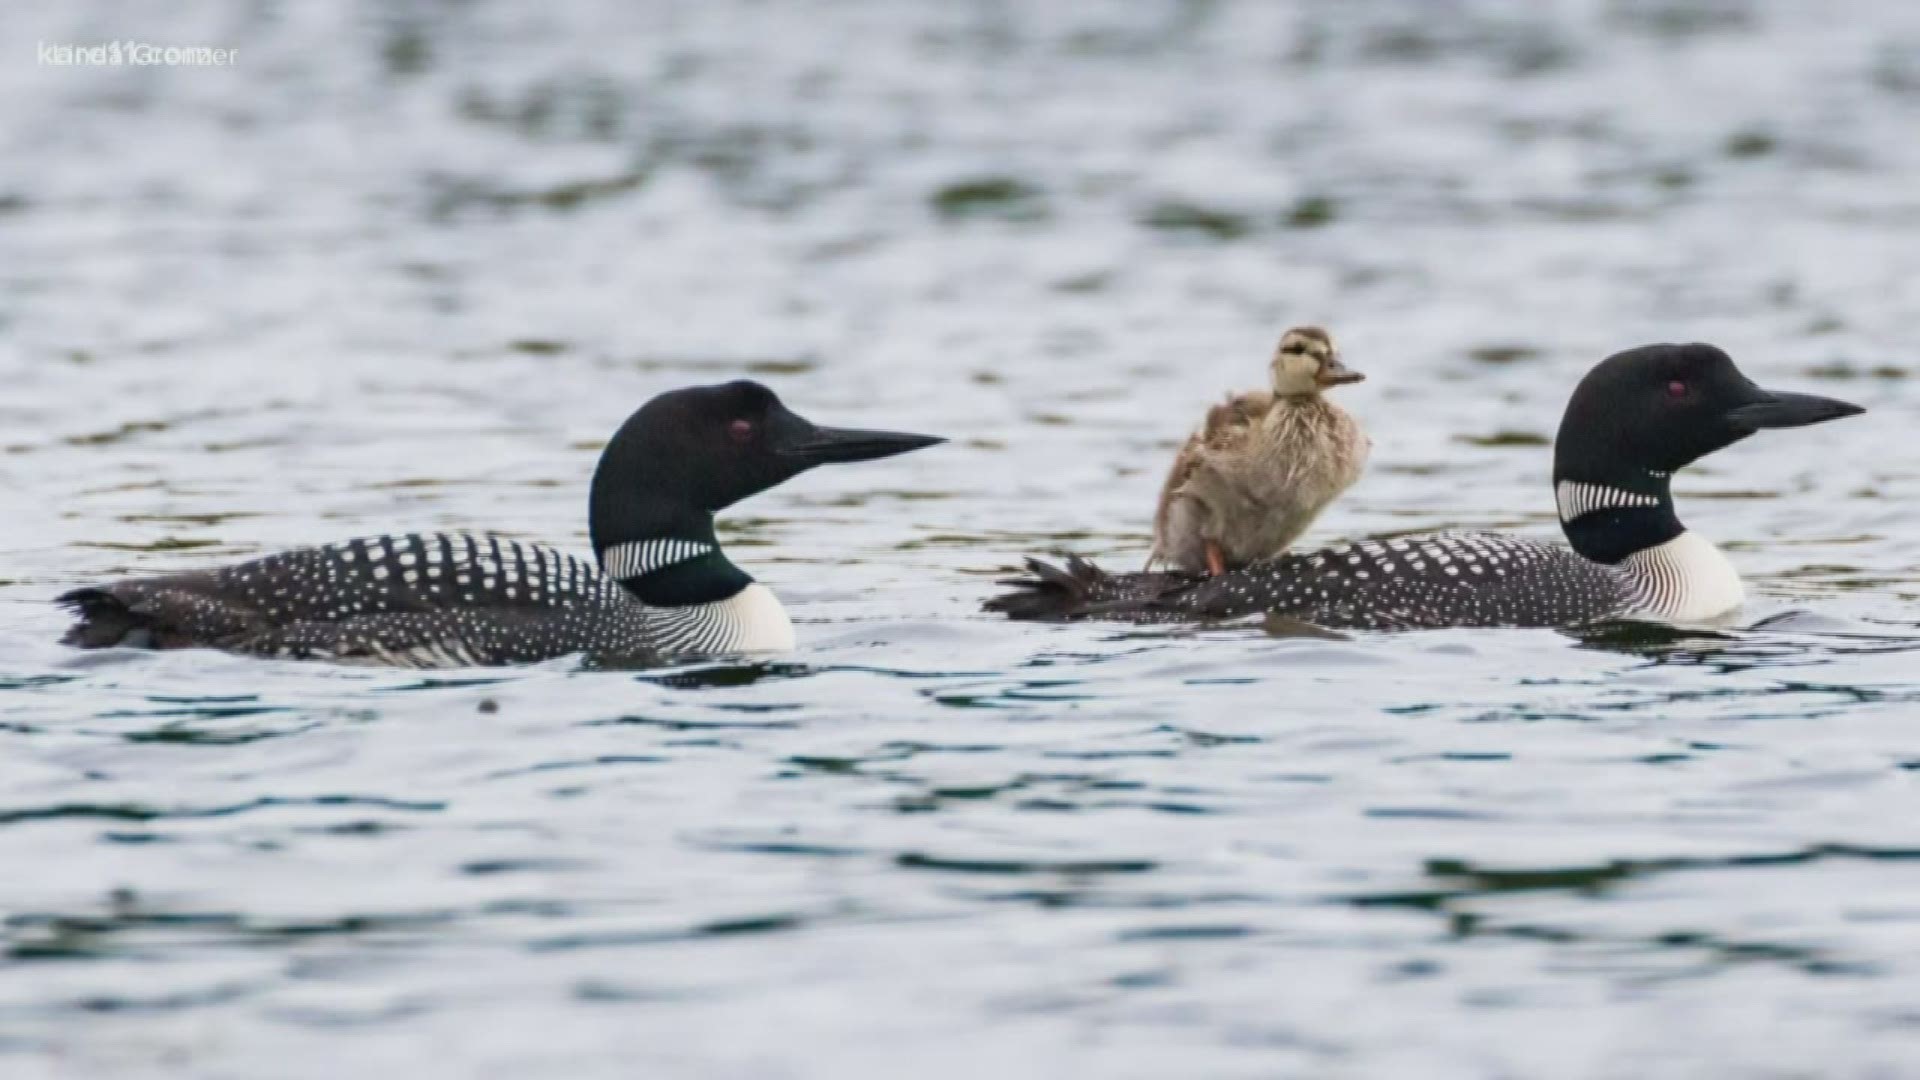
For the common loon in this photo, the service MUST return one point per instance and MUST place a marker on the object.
(1637, 417)
(1264, 464)
(663, 587)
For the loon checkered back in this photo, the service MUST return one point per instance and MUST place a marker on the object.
(1449, 579)
(420, 600)
(1635, 419)
(663, 588)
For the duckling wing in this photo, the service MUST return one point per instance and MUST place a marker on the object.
(1227, 423)
(1226, 429)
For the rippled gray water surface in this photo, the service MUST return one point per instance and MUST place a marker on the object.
(407, 266)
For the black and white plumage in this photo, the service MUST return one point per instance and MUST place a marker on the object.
(1447, 579)
(662, 588)
(419, 600)
(1636, 418)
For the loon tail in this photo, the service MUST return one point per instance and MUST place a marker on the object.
(173, 612)
(1080, 590)
(104, 620)
(1050, 592)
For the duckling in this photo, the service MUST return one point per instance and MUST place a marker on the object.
(1263, 465)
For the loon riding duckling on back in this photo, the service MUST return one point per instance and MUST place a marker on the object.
(1637, 417)
(1264, 464)
(663, 587)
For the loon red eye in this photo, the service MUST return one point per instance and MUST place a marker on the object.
(1676, 388)
(741, 430)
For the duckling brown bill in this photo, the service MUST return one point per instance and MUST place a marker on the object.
(1263, 465)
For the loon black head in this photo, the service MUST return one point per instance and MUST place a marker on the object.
(1643, 414)
(688, 454)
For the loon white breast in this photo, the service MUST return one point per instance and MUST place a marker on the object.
(663, 586)
(1635, 419)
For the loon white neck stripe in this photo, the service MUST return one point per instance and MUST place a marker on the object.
(1577, 499)
(637, 557)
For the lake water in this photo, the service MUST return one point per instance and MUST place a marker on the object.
(407, 266)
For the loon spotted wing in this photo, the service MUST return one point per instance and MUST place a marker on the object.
(419, 600)
(1424, 582)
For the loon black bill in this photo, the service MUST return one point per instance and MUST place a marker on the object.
(1778, 409)
(824, 445)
